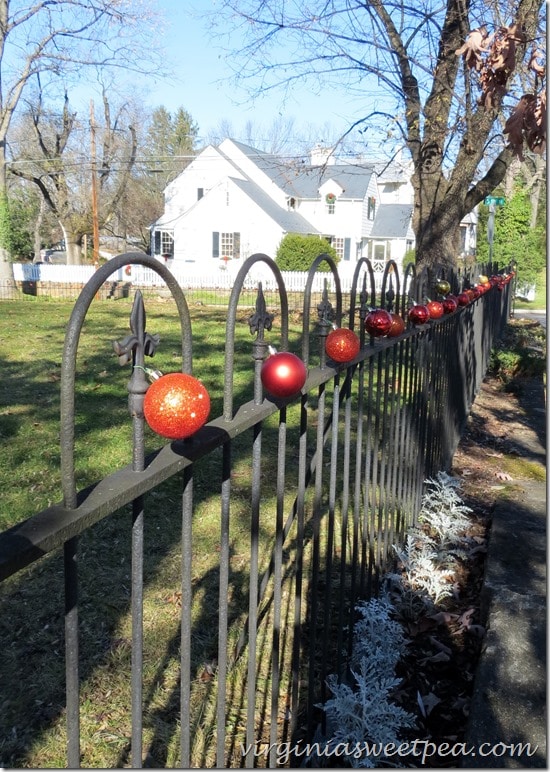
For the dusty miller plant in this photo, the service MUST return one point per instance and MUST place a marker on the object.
(443, 510)
(428, 556)
(364, 711)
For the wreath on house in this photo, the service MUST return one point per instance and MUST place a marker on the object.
(330, 198)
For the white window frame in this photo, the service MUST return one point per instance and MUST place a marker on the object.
(379, 263)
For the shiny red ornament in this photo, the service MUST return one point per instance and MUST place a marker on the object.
(397, 325)
(450, 304)
(474, 293)
(378, 322)
(419, 314)
(435, 308)
(283, 374)
(342, 345)
(463, 299)
(176, 406)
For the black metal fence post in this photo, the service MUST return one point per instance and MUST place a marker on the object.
(345, 481)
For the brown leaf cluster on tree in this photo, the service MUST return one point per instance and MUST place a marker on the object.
(477, 43)
(499, 64)
(527, 122)
(494, 58)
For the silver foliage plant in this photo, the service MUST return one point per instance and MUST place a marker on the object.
(443, 510)
(428, 556)
(363, 713)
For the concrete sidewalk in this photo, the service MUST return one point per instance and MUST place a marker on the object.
(509, 700)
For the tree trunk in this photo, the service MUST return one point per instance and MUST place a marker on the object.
(37, 228)
(8, 288)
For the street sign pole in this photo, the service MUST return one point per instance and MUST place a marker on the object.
(491, 231)
(492, 202)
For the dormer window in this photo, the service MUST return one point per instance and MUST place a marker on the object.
(330, 199)
(371, 207)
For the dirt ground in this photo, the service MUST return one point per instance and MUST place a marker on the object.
(503, 446)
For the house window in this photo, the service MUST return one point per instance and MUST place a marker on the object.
(379, 257)
(330, 200)
(226, 245)
(342, 247)
(291, 203)
(371, 207)
(164, 243)
(200, 193)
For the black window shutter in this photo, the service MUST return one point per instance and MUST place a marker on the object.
(236, 245)
(215, 244)
(157, 242)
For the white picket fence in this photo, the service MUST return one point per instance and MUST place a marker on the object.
(187, 277)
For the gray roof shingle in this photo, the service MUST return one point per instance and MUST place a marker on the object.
(303, 181)
(391, 221)
(287, 219)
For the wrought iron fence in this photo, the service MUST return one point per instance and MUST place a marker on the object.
(333, 478)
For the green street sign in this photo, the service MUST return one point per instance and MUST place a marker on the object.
(498, 200)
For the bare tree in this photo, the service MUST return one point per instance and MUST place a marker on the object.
(54, 162)
(435, 78)
(66, 38)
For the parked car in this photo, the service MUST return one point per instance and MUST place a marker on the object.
(45, 256)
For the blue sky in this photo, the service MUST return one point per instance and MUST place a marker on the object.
(200, 65)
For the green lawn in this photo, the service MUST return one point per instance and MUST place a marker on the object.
(32, 725)
(540, 295)
(31, 343)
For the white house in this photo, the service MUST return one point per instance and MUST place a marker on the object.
(234, 200)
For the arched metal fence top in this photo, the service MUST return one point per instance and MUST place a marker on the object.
(72, 337)
(362, 269)
(409, 281)
(259, 321)
(388, 296)
(326, 316)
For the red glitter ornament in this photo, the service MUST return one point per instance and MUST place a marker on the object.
(342, 345)
(436, 309)
(176, 406)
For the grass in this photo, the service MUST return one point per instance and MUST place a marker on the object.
(539, 301)
(32, 335)
(32, 727)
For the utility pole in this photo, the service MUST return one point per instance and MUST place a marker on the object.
(95, 221)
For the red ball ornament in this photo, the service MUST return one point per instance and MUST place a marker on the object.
(474, 293)
(378, 322)
(463, 299)
(419, 314)
(450, 304)
(283, 374)
(176, 406)
(342, 345)
(397, 325)
(435, 309)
